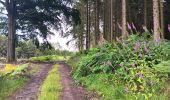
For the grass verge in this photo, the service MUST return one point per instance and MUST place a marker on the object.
(11, 82)
(48, 58)
(51, 87)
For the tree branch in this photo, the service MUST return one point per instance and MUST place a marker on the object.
(3, 13)
(3, 3)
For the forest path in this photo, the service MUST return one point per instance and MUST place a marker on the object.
(31, 89)
(70, 90)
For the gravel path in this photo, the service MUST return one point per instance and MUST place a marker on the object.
(31, 90)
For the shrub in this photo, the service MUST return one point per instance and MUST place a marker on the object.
(134, 63)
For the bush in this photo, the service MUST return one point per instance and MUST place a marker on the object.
(133, 62)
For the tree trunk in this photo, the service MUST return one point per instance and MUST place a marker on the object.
(124, 32)
(156, 22)
(11, 31)
(162, 18)
(111, 20)
(145, 13)
(88, 26)
(97, 31)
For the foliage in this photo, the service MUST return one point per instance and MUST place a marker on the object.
(50, 89)
(133, 62)
(26, 49)
(48, 58)
(10, 81)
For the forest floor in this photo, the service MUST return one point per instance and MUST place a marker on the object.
(70, 91)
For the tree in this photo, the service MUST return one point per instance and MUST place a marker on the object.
(88, 25)
(35, 17)
(156, 22)
(124, 31)
(97, 30)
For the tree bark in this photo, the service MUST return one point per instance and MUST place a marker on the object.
(156, 22)
(10, 6)
(145, 13)
(124, 31)
(88, 26)
(97, 30)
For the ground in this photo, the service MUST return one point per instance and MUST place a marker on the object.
(70, 91)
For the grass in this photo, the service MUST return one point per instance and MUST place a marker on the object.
(51, 87)
(9, 83)
(48, 58)
(103, 85)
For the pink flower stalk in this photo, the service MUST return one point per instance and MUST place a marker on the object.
(145, 47)
(133, 65)
(137, 46)
(133, 26)
(140, 74)
(117, 39)
(126, 89)
(123, 44)
(115, 44)
(129, 27)
(120, 27)
(168, 27)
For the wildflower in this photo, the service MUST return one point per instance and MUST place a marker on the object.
(117, 39)
(129, 27)
(126, 89)
(115, 44)
(120, 27)
(145, 29)
(140, 74)
(137, 46)
(133, 65)
(168, 27)
(145, 47)
(133, 26)
(123, 44)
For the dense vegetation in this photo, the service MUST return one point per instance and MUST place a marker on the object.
(134, 68)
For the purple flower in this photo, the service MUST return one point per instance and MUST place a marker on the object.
(133, 26)
(129, 27)
(137, 46)
(140, 74)
(133, 65)
(168, 27)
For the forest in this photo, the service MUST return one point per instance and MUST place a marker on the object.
(121, 50)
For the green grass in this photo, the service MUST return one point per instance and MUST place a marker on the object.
(103, 85)
(9, 85)
(51, 87)
(11, 82)
(48, 58)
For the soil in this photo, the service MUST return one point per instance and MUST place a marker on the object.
(71, 91)
(31, 90)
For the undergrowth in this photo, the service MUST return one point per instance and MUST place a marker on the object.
(136, 68)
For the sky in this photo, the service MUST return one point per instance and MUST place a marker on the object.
(57, 39)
